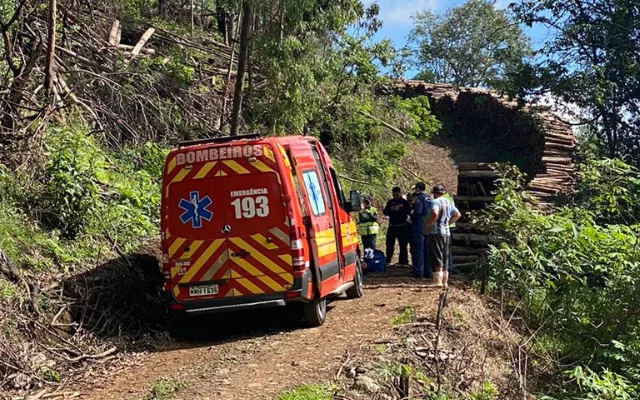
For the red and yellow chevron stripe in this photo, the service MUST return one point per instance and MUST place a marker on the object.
(255, 264)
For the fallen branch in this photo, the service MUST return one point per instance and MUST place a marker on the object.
(143, 40)
(84, 60)
(414, 324)
(345, 363)
(384, 123)
(115, 33)
(82, 357)
(63, 395)
(13, 275)
(353, 180)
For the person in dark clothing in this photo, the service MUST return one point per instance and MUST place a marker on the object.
(421, 206)
(397, 209)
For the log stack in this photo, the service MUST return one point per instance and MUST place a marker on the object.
(559, 169)
(476, 187)
(542, 144)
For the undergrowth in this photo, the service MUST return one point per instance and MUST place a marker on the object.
(87, 199)
(576, 277)
(69, 227)
(164, 389)
(407, 316)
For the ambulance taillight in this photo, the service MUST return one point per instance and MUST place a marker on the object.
(298, 260)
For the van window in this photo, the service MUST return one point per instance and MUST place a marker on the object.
(312, 184)
(336, 184)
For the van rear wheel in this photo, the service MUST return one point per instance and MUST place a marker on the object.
(315, 312)
(357, 290)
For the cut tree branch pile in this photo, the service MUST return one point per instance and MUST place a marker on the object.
(80, 65)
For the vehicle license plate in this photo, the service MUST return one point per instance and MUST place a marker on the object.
(204, 290)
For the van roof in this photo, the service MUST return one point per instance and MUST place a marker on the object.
(227, 140)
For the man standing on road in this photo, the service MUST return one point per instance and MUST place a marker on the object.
(397, 209)
(452, 228)
(368, 224)
(442, 214)
(421, 205)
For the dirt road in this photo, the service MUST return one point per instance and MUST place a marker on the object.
(260, 354)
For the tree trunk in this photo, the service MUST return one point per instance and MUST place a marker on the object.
(221, 16)
(247, 20)
(192, 16)
(51, 48)
(282, 11)
(223, 110)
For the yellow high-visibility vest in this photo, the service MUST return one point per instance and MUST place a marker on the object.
(367, 228)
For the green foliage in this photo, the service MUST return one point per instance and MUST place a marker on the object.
(85, 194)
(604, 386)
(309, 392)
(474, 44)
(72, 183)
(49, 374)
(579, 282)
(321, 70)
(89, 190)
(487, 392)
(164, 389)
(420, 122)
(590, 61)
(407, 316)
(609, 190)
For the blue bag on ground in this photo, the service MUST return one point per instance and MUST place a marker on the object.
(376, 263)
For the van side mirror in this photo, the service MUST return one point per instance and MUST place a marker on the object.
(355, 201)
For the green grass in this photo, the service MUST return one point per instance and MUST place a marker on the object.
(309, 392)
(407, 316)
(164, 389)
(381, 348)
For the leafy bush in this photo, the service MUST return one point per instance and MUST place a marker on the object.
(420, 122)
(610, 190)
(86, 193)
(579, 282)
(72, 189)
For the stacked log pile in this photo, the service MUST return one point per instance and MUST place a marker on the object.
(542, 142)
(559, 169)
(535, 134)
(476, 187)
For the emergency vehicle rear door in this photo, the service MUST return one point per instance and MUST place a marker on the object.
(197, 244)
(258, 227)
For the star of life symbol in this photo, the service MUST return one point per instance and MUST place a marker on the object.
(195, 209)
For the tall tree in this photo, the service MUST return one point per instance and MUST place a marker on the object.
(247, 20)
(49, 73)
(592, 60)
(474, 44)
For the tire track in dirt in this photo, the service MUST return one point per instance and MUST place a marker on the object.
(273, 354)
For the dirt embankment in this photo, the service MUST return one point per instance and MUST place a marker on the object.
(261, 354)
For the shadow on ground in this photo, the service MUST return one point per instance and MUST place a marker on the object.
(120, 302)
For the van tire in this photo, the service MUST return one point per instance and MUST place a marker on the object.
(357, 290)
(315, 312)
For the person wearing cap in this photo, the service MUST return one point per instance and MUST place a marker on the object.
(421, 206)
(397, 209)
(368, 224)
(441, 215)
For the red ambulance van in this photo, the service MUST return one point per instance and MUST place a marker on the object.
(252, 222)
